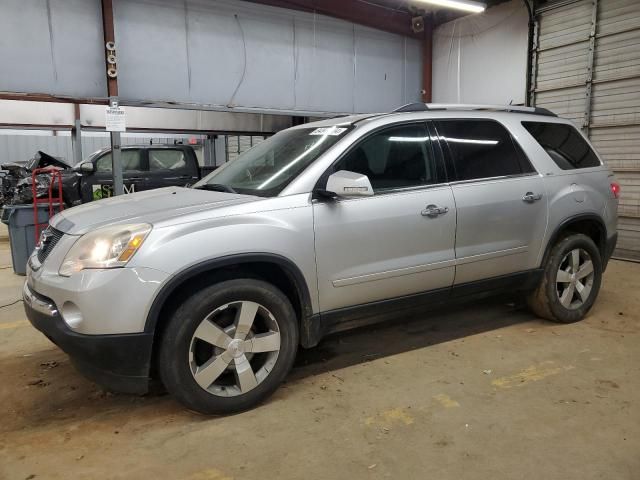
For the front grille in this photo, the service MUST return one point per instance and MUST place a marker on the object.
(50, 238)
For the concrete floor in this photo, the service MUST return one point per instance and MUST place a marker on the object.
(482, 391)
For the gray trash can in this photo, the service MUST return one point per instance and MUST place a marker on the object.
(22, 229)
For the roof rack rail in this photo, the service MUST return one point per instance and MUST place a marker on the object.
(412, 107)
(423, 107)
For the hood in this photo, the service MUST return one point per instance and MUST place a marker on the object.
(14, 166)
(151, 206)
(41, 160)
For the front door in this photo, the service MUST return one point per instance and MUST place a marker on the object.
(99, 184)
(398, 242)
(500, 199)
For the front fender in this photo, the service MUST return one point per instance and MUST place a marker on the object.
(282, 236)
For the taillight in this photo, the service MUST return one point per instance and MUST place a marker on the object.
(615, 189)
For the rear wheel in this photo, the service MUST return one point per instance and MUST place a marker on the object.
(571, 280)
(229, 346)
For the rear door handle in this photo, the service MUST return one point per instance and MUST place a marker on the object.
(531, 197)
(433, 211)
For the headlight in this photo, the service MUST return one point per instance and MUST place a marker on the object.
(107, 247)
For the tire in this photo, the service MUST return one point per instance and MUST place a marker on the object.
(212, 362)
(562, 295)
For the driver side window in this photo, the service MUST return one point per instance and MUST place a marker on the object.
(397, 157)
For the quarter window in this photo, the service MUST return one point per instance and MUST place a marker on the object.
(398, 157)
(482, 149)
(564, 144)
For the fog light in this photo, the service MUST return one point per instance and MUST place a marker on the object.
(71, 315)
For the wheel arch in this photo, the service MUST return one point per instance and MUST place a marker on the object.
(279, 270)
(588, 224)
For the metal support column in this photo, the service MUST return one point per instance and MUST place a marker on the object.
(530, 11)
(208, 153)
(533, 79)
(586, 122)
(116, 159)
(112, 92)
(220, 149)
(76, 136)
(226, 149)
(427, 60)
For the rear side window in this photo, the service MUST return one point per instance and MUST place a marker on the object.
(482, 149)
(564, 144)
(165, 159)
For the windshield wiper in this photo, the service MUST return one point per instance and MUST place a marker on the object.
(216, 187)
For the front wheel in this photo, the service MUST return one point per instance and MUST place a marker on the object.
(229, 346)
(571, 281)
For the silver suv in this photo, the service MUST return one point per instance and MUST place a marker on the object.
(211, 289)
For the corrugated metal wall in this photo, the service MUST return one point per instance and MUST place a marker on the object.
(586, 67)
(494, 43)
(244, 55)
(22, 147)
(213, 53)
(19, 148)
(52, 46)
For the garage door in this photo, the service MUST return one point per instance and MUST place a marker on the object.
(586, 67)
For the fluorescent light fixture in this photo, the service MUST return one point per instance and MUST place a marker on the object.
(466, 5)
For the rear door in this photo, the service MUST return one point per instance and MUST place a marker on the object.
(500, 199)
(400, 240)
(169, 167)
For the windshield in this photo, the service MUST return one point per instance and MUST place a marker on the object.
(267, 168)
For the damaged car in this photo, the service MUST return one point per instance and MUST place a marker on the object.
(17, 181)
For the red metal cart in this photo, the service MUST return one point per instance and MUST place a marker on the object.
(53, 200)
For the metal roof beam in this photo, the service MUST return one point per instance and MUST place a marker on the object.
(383, 18)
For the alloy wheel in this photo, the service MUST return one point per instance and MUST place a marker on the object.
(234, 348)
(574, 280)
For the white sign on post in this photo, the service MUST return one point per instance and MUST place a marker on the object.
(115, 119)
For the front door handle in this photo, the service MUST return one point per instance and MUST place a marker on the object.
(432, 211)
(531, 197)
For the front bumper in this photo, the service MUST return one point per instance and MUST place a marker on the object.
(98, 302)
(116, 362)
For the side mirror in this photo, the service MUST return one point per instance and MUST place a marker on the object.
(347, 184)
(87, 167)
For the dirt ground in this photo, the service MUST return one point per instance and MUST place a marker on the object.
(482, 391)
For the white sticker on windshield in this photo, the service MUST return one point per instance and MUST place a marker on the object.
(334, 131)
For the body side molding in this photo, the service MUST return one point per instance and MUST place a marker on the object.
(351, 317)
